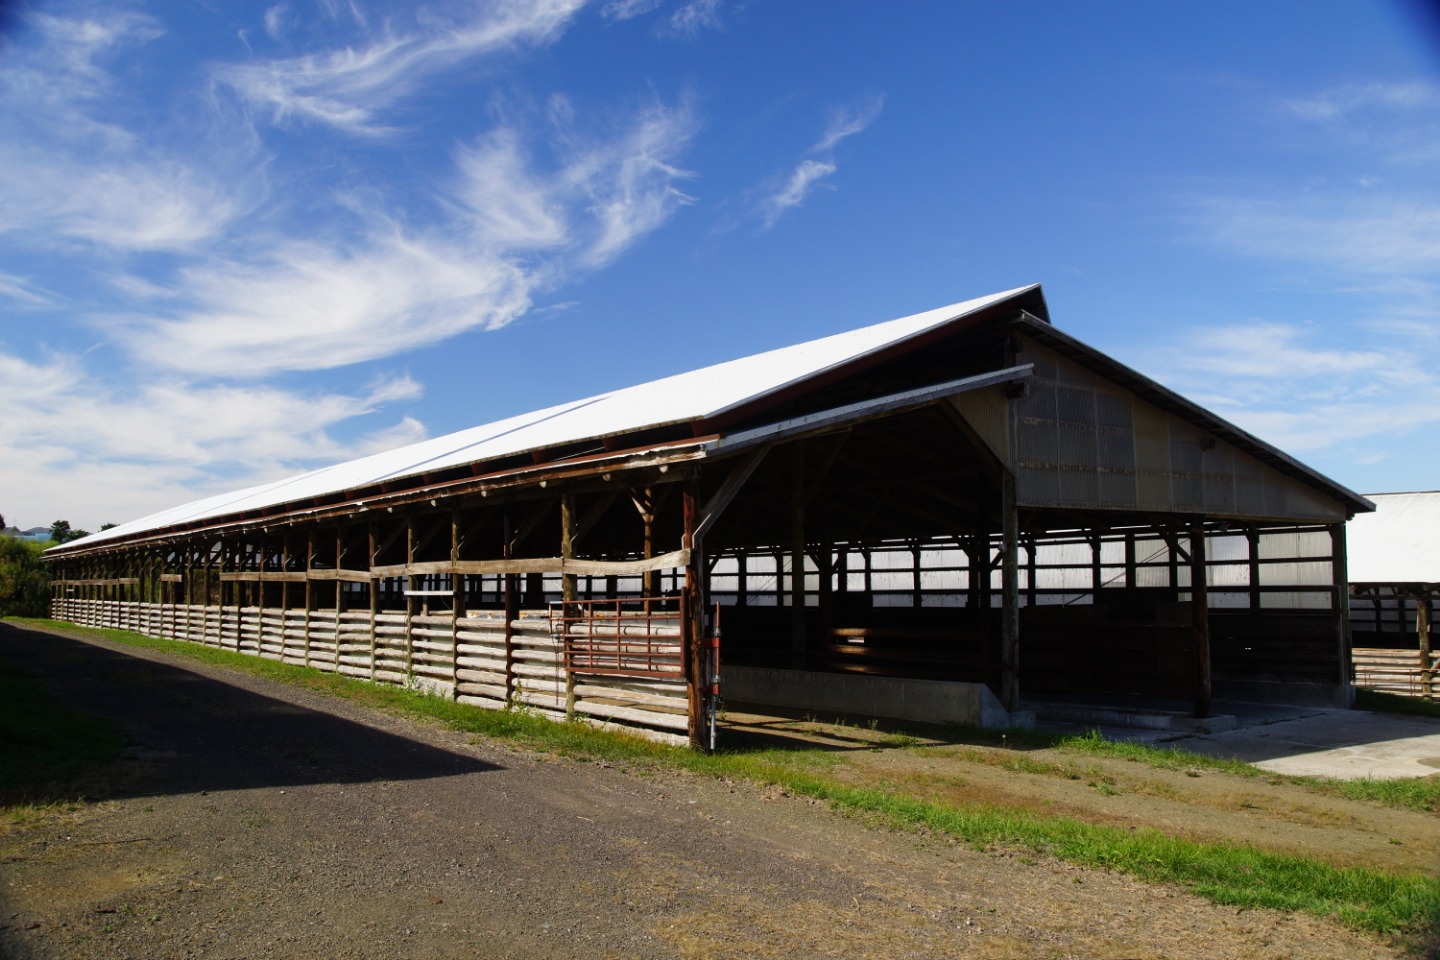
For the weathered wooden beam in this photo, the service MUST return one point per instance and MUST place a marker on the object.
(1200, 620)
(1010, 578)
(733, 484)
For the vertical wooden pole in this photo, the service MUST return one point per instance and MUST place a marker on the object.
(568, 587)
(457, 602)
(1200, 620)
(411, 583)
(650, 580)
(1422, 631)
(1010, 579)
(1340, 606)
(692, 628)
(798, 657)
(372, 584)
(512, 608)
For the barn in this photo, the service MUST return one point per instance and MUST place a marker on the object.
(948, 517)
(1394, 586)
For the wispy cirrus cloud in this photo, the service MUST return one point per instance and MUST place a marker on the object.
(1365, 234)
(1277, 381)
(227, 252)
(811, 172)
(251, 432)
(346, 88)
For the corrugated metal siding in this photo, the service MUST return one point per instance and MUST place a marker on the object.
(1085, 443)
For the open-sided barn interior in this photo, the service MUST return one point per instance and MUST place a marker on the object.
(918, 519)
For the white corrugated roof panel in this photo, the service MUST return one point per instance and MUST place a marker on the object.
(1398, 543)
(684, 397)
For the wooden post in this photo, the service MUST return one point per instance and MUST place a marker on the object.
(1010, 578)
(457, 603)
(373, 586)
(692, 627)
(411, 583)
(1422, 631)
(797, 561)
(512, 607)
(1340, 606)
(568, 587)
(1200, 620)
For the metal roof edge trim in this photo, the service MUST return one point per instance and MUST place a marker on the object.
(695, 448)
(890, 403)
(991, 302)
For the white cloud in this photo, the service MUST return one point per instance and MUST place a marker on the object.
(1352, 99)
(346, 88)
(65, 440)
(695, 16)
(127, 202)
(510, 206)
(1366, 233)
(848, 121)
(803, 179)
(629, 183)
(628, 9)
(813, 170)
(277, 20)
(219, 264)
(24, 292)
(308, 306)
(1277, 381)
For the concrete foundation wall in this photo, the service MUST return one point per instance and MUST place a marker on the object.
(928, 701)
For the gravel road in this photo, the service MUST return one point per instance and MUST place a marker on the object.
(259, 820)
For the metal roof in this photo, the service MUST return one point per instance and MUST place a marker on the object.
(698, 395)
(1399, 542)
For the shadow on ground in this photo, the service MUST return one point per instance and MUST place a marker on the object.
(190, 733)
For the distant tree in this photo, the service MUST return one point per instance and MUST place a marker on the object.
(61, 532)
(24, 579)
(3, 524)
(106, 526)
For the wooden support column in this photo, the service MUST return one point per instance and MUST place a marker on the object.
(797, 561)
(1340, 605)
(512, 607)
(309, 594)
(412, 582)
(645, 503)
(1422, 631)
(373, 588)
(1200, 620)
(457, 603)
(568, 585)
(1010, 579)
(693, 635)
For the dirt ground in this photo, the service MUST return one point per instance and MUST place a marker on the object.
(257, 820)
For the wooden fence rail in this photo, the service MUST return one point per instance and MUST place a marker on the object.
(473, 659)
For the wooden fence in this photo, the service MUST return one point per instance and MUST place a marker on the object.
(1393, 671)
(473, 659)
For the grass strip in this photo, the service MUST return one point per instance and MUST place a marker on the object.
(1415, 793)
(1406, 905)
(1379, 702)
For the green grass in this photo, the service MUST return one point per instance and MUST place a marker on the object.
(1390, 703)
(1405, 905)
(46, 747)
(1417, 793)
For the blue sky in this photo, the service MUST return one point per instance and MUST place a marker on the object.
(240, 241)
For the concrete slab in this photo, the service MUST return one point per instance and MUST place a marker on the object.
(1344, 744)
